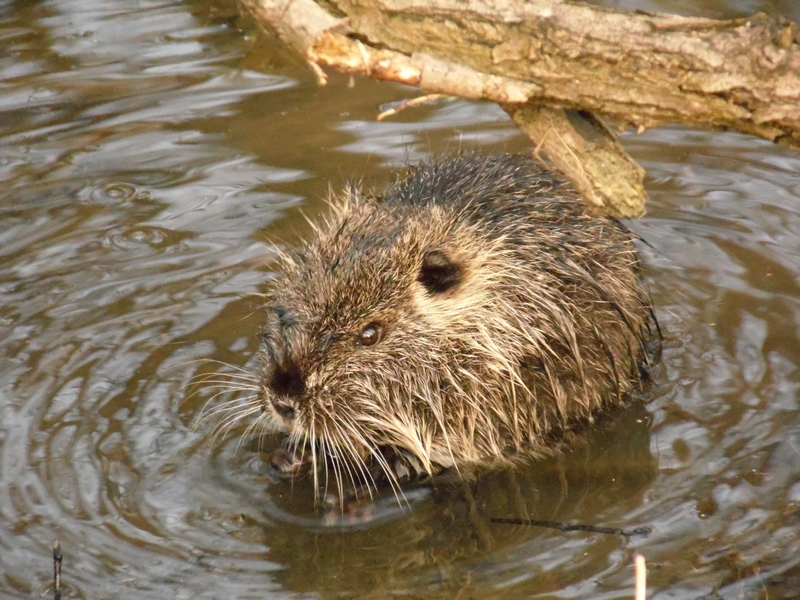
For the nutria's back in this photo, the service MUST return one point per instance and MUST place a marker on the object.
(465, 317)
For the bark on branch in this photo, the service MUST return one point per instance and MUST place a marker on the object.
(543, 57)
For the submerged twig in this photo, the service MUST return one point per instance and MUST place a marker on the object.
(644, 531)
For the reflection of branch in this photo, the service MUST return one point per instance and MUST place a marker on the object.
(639, 69)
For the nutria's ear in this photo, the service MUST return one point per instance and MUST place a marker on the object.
(438, 273)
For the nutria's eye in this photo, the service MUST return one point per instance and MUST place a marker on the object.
(370, 335)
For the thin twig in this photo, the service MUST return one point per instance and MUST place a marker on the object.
(641, 577)
(57, 570)
(426, 99)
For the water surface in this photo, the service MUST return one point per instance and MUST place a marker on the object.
(154, 155)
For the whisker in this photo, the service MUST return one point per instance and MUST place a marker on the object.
(334, 464)
(206, 413)
(227, 424)
(358, 462)
(222, 380)
(314, 461)
(353, 462)
(257, 423)
(379, 458)
(247, 406)
(213, 361)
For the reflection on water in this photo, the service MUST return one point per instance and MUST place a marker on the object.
(151, 155)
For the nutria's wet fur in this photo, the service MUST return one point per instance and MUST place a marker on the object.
(466, 317)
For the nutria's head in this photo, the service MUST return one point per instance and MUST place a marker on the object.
(361, 351)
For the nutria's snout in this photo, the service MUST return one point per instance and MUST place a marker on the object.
(466, 317)
(285, 387)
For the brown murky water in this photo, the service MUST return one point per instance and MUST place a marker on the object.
(150, 149)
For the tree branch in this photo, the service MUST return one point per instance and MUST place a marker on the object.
(637, 69)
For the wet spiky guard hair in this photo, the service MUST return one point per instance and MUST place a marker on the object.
(464, 318)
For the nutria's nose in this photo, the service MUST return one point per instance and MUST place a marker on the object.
(287, 384)
(287, 380)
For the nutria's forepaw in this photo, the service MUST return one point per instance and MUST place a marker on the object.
(288, 461)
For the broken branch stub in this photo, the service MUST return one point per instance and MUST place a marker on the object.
(579, 144)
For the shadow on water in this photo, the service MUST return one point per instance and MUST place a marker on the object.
(443, 539)
(154, 155)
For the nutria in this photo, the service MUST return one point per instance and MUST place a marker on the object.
(468, 316)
